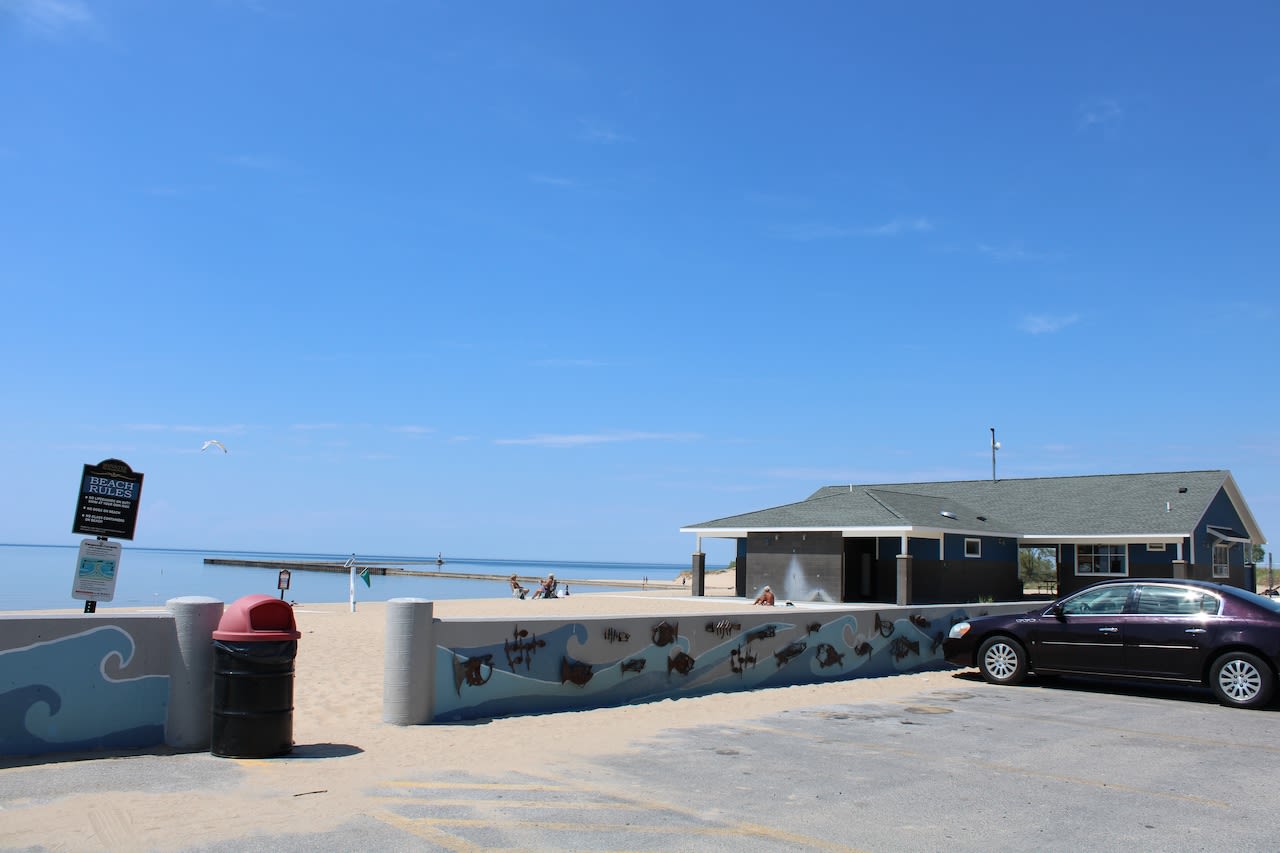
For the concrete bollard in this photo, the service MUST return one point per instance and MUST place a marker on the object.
(408, 670)
(188, 722)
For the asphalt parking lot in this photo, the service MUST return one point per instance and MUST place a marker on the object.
(1065, 765)
(963, 765)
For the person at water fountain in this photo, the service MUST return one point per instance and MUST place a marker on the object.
(765, 597)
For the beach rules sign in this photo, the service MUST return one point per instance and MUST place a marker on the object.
(108, 503)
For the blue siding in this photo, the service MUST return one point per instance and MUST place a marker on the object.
(1221, 513)
(995, 549)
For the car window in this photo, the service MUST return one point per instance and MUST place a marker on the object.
(1104, 600)
(1175, 601)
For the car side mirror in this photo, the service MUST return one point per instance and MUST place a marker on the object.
(1058, 612)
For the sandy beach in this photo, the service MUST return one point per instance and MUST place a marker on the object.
(348, 750)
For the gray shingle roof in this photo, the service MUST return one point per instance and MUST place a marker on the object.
(1096, 505)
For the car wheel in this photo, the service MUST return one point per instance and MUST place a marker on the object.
(1242, 680)
(1002, 660)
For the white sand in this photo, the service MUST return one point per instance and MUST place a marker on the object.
(338, 701)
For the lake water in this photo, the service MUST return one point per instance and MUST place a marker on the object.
(40, 577)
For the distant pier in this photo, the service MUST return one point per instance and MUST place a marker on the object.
(393, 571)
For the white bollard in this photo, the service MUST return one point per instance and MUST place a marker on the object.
(189, 722)
(408, 670)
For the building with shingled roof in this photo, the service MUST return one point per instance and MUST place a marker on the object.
(919, 543)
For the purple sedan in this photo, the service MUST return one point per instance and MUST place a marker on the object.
(1178, 631)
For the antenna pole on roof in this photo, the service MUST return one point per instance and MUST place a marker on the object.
(995, 445)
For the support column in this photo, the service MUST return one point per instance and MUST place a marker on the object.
(904, 579)
(699, 574)
(1180, 569)
(189, 719)
(408, 670)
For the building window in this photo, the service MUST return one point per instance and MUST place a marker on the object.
(1101, 560)
(1222, 561)
(973, 547)
(1155, 546)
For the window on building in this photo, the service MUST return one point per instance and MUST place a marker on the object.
(1155, 546)
(1222, 561)
(1101, 560)
(973, 547)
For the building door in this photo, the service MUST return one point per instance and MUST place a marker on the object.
(860, 581)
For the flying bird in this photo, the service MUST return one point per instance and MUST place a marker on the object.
(213, 442)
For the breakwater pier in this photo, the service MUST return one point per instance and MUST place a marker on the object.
(435, 572)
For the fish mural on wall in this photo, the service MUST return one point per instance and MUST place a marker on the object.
(578, 664)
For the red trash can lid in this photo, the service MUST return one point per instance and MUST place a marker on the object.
(257, 618)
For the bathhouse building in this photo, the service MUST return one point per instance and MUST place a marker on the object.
(920, 543)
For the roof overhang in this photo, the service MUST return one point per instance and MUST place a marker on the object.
(1227, 534)
(1105, 539)
(845, 532)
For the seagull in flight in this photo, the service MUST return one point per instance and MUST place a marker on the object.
(213, 442)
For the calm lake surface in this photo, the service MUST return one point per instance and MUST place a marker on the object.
(40, 577)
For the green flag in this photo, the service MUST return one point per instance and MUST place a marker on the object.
(364, 576)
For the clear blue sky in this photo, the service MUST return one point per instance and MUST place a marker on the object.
(550, 280)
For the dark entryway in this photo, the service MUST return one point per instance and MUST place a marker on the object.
(859, 570)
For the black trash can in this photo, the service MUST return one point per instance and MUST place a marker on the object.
(254, 650)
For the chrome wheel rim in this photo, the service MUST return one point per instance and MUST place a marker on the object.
(1001, 661)
(1240, 680)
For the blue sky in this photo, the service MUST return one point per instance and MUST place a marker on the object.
(551, 280)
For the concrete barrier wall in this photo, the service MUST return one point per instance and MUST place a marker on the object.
(496, 667)
(71, 683)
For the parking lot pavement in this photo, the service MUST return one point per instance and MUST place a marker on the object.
(960, 766)
(1067, 766)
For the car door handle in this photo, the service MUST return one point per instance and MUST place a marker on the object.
(1108, 630)
(1196, 630)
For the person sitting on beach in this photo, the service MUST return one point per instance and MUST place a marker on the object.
(765, 597)
(548, 588)
(518, 591)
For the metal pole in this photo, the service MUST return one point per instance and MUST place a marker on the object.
(351, 582)
(994, 448)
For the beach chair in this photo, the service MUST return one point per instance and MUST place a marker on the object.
(548, 590)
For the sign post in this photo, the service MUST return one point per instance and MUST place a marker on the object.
(107, 507)
(282, 582)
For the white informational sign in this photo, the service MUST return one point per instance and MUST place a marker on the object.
(96, 570)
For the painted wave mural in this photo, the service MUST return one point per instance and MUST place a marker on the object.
(66, 695)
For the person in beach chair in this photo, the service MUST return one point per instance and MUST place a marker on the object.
(518, 591)
(548, 588)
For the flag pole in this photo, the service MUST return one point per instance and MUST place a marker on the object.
(351, 582)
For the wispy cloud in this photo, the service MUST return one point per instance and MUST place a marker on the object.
(211, 429)
(1043, 324)
(599, 132)
(1013, 252)
(49, 18)
(808, 231)
(569, 362)
(412, 429)
(315, 427)
(255, 162)
(583, 439)
(1098, 112)
(553, 180)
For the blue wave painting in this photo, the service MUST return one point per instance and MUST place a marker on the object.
(57, 696)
